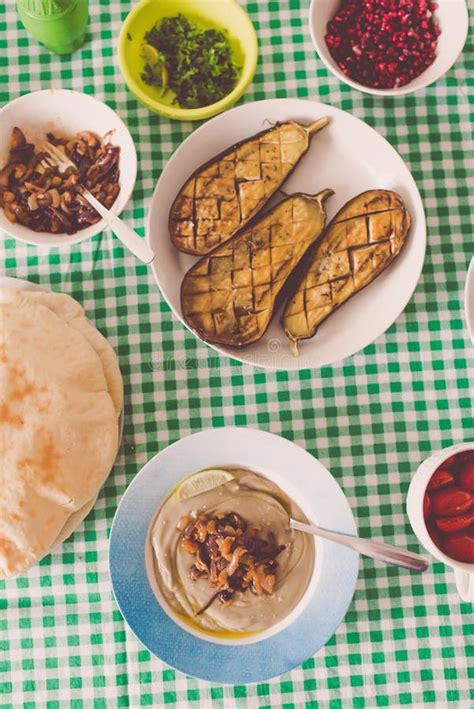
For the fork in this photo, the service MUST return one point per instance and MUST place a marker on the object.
(122, 231)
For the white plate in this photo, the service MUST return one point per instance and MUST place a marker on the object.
(347, 156)
(322, 607)
(452, 17)
(67, 112)
(79, 515)
(469, 300)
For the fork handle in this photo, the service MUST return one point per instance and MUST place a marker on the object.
(137, 245)
(130, 238)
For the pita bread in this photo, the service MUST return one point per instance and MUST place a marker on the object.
(77, 517)
(58, 428)
(72, 312)
(73, 522)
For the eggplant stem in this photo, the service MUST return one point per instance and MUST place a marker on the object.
(320, 197)
(294, 348)
(316, 126)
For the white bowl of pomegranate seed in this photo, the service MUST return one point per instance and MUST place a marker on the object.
(388, 47)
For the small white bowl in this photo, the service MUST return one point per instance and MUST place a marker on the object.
(452, 17)
(67, 112)
(246, 638)
(463, 572)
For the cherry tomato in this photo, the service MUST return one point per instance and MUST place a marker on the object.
(455, 524)
(451, 501)
(466, 476)
(460, 546)
(440, 478)
(450, 462)
(434, 533)
(466, 456)
(426, 506)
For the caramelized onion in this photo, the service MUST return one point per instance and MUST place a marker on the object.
(30, 182)
(230, 554)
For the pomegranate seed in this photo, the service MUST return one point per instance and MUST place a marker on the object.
(383, 44)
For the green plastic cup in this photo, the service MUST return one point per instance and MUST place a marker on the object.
(60, 25)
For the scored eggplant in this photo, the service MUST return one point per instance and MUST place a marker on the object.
(224, 194)
(228, 297)
(363, 239)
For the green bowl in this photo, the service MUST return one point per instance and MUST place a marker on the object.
(222, 14)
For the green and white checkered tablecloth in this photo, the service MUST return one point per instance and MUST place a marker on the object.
(407, 639)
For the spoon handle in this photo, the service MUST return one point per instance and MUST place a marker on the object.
(375, 550)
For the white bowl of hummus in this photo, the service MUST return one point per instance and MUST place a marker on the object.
(278, 641)
(223, 563)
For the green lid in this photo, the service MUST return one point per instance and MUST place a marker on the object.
(47, 8)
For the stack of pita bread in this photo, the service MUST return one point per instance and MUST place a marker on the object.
(61, 396)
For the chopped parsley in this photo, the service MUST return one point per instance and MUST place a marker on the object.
(199, 65)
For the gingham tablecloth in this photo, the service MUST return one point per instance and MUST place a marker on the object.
(371, 419)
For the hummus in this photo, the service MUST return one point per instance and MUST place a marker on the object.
(260, 502)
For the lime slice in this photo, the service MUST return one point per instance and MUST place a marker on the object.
(164, 78)
(156, 62)
(202, 482)
(150, 54)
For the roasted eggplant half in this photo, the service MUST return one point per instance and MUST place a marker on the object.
(228, 297)
(363, 239)
(223, 195)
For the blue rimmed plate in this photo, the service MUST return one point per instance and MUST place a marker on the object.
(305, 480)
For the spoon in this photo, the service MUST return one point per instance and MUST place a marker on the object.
(375, 550)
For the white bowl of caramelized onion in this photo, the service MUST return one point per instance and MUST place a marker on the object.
(41, 204)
